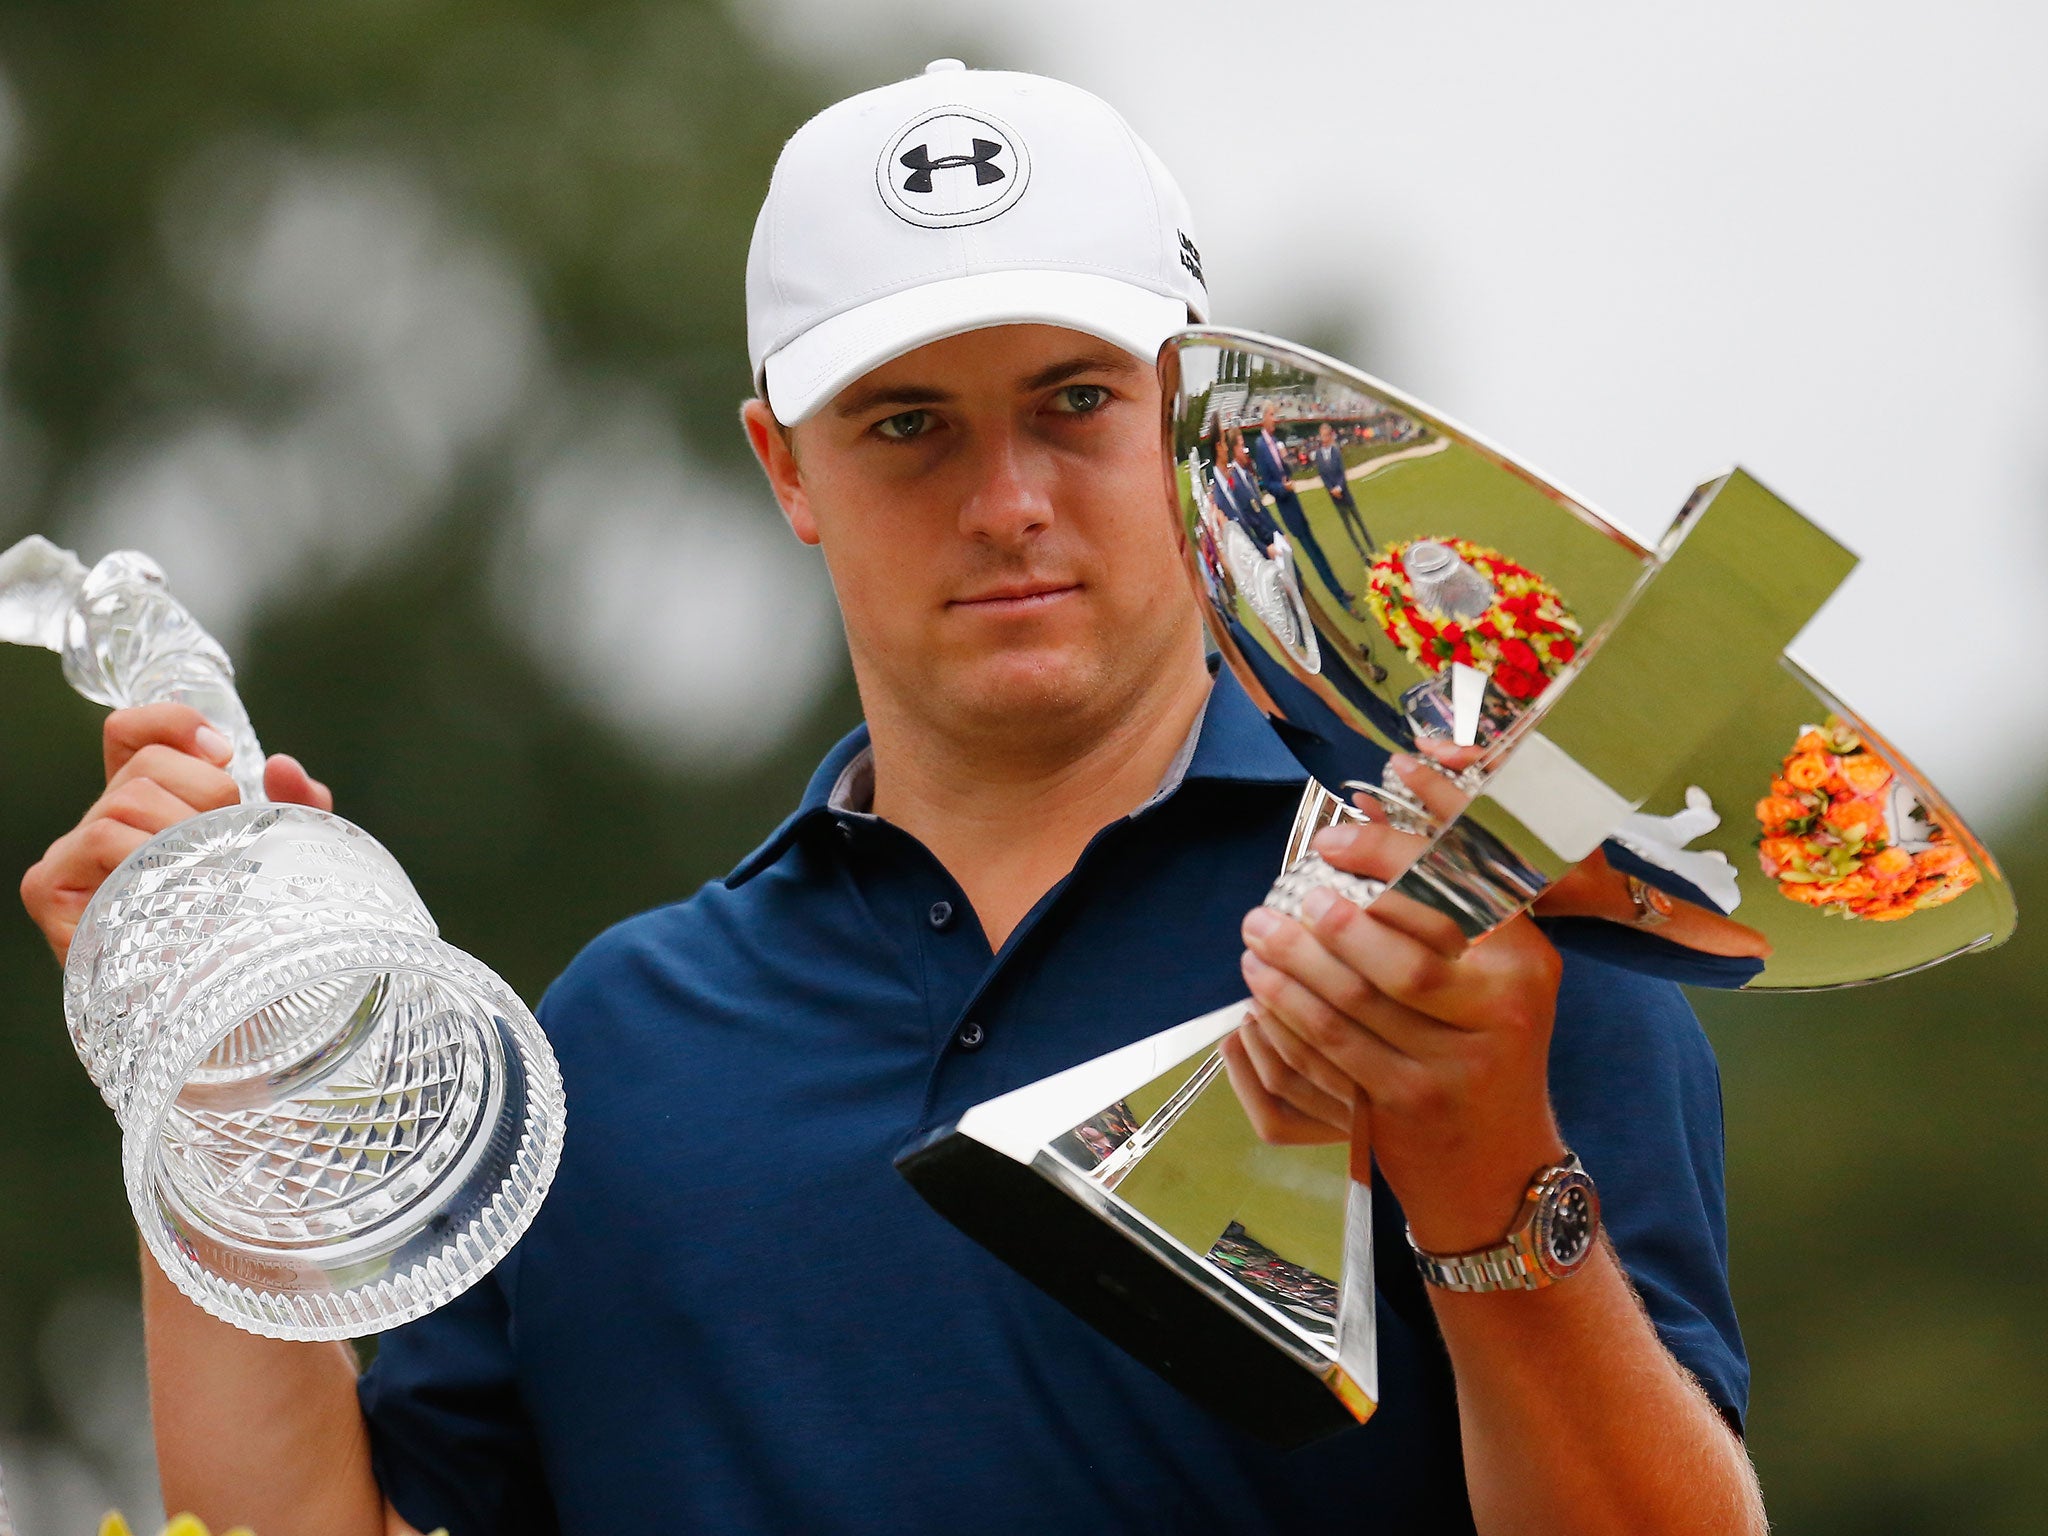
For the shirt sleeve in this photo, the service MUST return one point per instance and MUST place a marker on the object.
(450, 1441)
(1638, 1096)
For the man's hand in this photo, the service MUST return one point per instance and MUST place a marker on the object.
(1389, 1016)
(164, 763)
(1432, 1055)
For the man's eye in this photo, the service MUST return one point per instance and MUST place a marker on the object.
(904, 425)
(1080, 399)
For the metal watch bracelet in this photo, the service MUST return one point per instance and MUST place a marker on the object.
(1552, 1237)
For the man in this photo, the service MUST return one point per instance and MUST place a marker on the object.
(731, 1314)
(1244, 484)
(1269, 460)
(1329, 462)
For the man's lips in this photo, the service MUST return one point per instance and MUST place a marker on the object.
(1016, 597)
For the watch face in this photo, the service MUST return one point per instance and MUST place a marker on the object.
(1570, 1217)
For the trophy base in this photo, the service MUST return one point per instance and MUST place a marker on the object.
(1133, 1190)
(1163, 1308)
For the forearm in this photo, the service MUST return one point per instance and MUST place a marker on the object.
(252, 1431)
(1576, 1418)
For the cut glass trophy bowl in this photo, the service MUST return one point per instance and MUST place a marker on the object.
(1409, 587)
(332, 1120)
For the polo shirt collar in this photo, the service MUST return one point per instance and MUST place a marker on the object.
(1232, 744)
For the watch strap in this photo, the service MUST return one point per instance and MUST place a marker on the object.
(1513, 1264)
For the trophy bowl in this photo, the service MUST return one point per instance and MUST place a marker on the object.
(332, 1120)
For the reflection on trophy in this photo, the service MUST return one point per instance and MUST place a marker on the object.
(1586, 698)
(332, 1121)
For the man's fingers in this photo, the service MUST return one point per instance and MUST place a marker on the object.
(1276, 1121)
(198, 783)
(143, 804)
(1367, 1059)
(1283, 955)
(178, 726)
(286, 781)
(1373, 848)
(1323, 1088)
(1380, 853)
(1430, 781)
(81, 859)
(59, 885)
(1394, 962)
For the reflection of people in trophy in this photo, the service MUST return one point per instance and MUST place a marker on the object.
(1237, 494)
(1269, 460)
(1049, 839)
(1329, 461)
(1244, 489)
(1212, 520)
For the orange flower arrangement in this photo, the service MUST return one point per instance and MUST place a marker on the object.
(1827, 844)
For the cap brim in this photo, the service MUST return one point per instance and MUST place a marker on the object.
(802, 376)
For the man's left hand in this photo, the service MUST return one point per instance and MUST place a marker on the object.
(1388, 1027)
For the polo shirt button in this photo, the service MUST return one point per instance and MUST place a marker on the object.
(942, 915)
(845, 831)
(971, 1036)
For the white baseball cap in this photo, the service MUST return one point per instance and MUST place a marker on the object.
(958, 199)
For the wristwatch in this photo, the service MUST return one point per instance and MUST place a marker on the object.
(1550, 1241)
(1653, 907)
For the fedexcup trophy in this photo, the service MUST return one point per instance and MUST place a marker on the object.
(332, 1121)
(1381, 580)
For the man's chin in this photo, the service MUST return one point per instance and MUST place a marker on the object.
(1019, 686)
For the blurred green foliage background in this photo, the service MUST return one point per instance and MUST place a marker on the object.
(1887, 1157)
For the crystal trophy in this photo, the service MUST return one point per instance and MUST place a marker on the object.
(332, 1121)
(1591, 702)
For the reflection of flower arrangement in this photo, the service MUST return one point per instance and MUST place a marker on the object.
(1832, 837)
(1523, 640)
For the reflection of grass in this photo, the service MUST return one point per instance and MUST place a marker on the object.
(1211, 1169)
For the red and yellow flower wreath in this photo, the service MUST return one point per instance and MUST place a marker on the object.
(1524, 640)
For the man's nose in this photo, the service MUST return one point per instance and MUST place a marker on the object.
(1011, 495)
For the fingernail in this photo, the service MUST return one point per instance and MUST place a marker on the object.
(1404, 764)
(1261, 922)
(212, 744)
(1338, 839)
(1317, 902)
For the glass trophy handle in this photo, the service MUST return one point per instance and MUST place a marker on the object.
(130, 642)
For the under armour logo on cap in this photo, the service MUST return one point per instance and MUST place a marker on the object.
(919, 159)
(953, 201)
(922, 172)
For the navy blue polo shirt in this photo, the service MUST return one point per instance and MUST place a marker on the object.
(733, 1315)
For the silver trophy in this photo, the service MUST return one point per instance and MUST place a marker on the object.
(332, 1121)
(1591, 702)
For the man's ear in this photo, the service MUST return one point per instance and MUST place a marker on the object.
(770, 442)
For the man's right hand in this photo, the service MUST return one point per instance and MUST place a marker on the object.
(249, 1430)
(164, 763)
